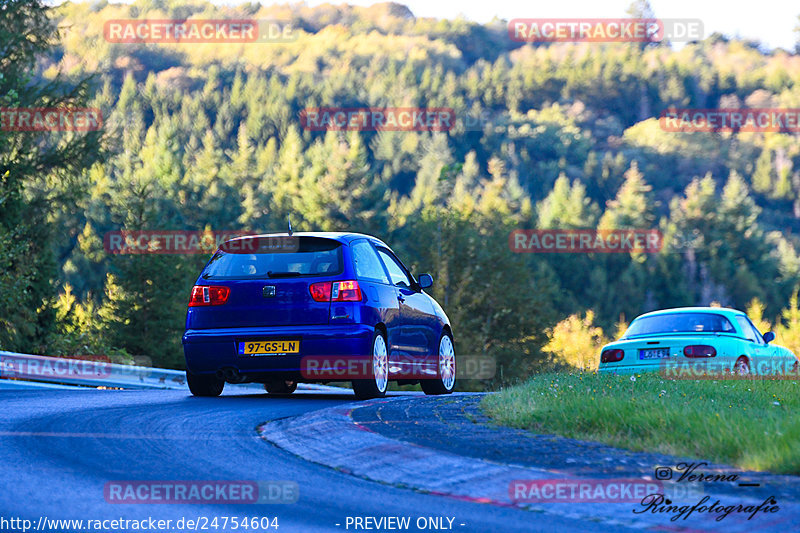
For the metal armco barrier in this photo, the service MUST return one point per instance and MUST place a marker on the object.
(38, 371)
(13, 384)
(90, 373)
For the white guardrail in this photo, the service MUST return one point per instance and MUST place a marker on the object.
(20, 371)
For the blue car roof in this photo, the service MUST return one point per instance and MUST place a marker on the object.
(344, 237)
(727, 311)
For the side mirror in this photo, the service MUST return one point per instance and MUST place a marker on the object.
(425, 280)
(769, 337)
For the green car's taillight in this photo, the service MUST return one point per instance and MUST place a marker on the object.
(700, 350)
(611, 356)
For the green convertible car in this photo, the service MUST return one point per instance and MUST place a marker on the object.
(697, 343)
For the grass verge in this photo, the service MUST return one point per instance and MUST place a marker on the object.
(749, 423)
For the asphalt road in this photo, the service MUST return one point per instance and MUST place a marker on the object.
(58, 449)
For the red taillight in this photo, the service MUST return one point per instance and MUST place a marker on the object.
(208, 295)
(320, 292)
(611, 356)
(700, 350)
(335, 291)
(345, 291)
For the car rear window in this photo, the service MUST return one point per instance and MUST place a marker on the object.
(680, 323)
(276, 257)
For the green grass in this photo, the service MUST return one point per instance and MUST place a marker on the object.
(752, 424)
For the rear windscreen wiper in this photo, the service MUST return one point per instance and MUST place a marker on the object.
(283, 274)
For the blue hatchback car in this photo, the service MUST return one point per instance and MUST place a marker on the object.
(281, 309)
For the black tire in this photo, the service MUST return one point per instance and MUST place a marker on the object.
(443, 383)
(366, 389)
(280, 388)
(204, 385)
(742, 367)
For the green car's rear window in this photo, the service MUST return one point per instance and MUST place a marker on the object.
(680, 323)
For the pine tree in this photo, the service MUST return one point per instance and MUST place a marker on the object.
(633, 207)
(762, 176)
(428, 189)
(567, 206)
(340, 191)
(284, 185)
(37, 172)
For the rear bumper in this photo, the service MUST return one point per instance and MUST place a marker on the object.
(675, 368)
(210, 350)
(612, 368)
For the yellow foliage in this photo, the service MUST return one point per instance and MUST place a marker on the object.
(576, 341)
(755, 310)
(787, 331)
(620, 326)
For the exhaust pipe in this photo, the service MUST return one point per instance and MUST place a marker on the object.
(231, 375)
